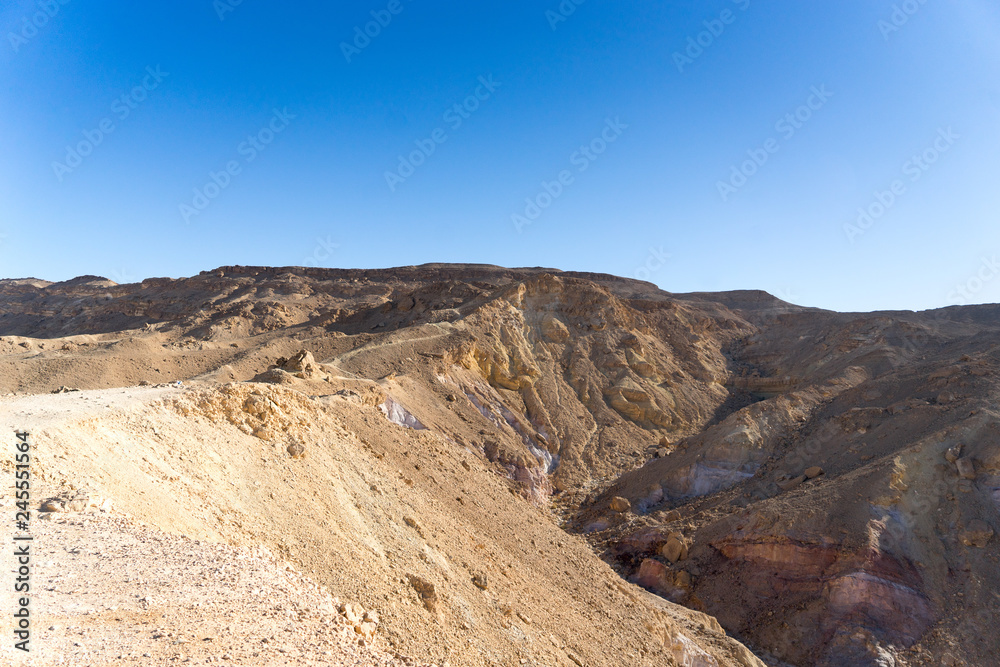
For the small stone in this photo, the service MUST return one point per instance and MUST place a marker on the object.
(619, 504)
(352, 613)
(52, 505)
(977, 533)
(426, 591)
(953, 453)
(412, 523)
(786, 483)
(966, 468)
(480, 580)
(675, 548)
(813, 472)
(296, 450)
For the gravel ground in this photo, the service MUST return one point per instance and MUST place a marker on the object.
(109, 591)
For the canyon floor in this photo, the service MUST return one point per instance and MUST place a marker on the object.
(473, 465)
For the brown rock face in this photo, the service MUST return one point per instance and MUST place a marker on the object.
(825, 484)
(675, 585)
(966, 468)
(619, 504)
(675, 548)
(471, 393)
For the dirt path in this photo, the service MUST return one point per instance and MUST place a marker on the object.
(378, 345)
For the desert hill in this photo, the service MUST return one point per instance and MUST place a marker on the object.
(460, 446)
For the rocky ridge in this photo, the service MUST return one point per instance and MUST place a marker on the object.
(824, 484)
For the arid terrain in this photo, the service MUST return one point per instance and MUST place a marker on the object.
(472, 465)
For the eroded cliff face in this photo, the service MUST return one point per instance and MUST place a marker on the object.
(846, 520)
(824, 484)
(598, 381)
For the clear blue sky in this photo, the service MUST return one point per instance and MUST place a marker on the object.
(664, 121)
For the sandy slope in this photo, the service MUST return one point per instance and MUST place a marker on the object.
(113, 592)
(379, 514)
